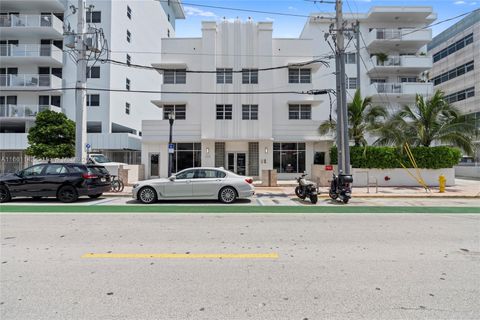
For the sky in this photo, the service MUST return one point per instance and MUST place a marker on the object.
(291, 26)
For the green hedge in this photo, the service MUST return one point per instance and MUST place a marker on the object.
(390, 157)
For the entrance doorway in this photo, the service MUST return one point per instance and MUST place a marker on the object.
(237, 162)
(154, 159)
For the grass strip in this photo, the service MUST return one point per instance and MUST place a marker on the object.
(230, 209)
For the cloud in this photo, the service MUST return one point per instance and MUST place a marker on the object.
(269, 19)
(191, 11)
(292, 8)
(459, 2)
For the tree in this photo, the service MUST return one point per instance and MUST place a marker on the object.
(52, 136)
(427, 122)
(362, 118)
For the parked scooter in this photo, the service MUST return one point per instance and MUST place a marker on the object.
(340, 187)
(306, 189)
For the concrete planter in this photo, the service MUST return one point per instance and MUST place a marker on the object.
(396, 177)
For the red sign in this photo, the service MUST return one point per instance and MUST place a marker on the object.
(328, 168)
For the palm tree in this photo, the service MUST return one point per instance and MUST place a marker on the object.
(362, 118)
(428, 121)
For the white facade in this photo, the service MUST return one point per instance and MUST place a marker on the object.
(246, 144)
(456, 65)
(33, 57)
(399, 33)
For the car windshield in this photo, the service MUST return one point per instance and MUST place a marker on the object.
(100, 158)
(97, 170)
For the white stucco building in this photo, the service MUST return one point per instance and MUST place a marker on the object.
(456, 65)
(399, 34)
(246, 132)
(33, 57)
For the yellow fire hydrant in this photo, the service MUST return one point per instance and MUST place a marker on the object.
(442, 181)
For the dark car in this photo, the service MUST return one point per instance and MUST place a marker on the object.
(65, 181)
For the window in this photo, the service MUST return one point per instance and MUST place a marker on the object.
(127, 108)
(460, 95)
(168, 17)
(378, 80)
(456, 72)
(299, 112)
(189, 174)
(93, 100)
(460, 44)
(351, 83)
(289, 157)
(168, 33)
(299, 75)
(33, 171)
(175, 76)
(94, 17)
(224, 112)
(350, 58)
(249, 112)
(129, 59)
(129, 12)
(224, 75)
(127, 84)
(249, 76)
(129, 36)
(93, 72)
(209, 174)
(408, 79)
(55, 169)
(179, 111)
(319, 158)
(186, 155)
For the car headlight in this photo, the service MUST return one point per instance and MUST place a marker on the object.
(135, 185)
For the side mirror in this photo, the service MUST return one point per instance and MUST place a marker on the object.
(19, 174)
(172, 178)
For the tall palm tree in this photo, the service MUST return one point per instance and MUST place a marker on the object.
(428, 121)
(362, 118)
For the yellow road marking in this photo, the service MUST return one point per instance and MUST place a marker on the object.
(181, 255)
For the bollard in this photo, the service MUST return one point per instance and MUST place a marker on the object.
(442, 181)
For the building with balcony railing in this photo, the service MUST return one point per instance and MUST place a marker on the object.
(456, 66)
(393, 60)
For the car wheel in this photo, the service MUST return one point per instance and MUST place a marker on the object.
(4, 194)
(147, 195)
(36, 198)
(67, 194)
(227, 195)
(94, 196)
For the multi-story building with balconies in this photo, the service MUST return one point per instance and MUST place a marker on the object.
(456, 66)
(237, 116)
(32, 56)
(393, 58)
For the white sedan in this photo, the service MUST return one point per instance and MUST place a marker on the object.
(195, 184)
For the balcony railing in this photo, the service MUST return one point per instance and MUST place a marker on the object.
(423, 88)
(394, 36)
(24, 111)
(408, 61)
(29, 80)
(27, 50)
(27, 20)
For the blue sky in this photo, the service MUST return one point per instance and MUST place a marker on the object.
(288, 26)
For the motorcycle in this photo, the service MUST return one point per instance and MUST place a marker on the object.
(340, 187)
(306, 189)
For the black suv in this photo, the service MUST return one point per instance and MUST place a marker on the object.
(65, 181)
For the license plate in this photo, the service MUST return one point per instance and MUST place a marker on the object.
(103, 179)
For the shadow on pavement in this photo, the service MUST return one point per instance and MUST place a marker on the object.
(193, 202)
(29, 200)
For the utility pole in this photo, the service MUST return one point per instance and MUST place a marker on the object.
(81, 86)
(342, 112)
(357, 38)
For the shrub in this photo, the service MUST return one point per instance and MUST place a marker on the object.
(390, 157)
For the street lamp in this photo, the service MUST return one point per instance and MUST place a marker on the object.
(171, 119)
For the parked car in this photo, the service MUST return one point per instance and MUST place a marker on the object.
(65, 181)
(196, 183)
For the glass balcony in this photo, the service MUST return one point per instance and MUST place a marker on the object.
(40, 24)
(35, 53)
(20, 81)
(24, 111)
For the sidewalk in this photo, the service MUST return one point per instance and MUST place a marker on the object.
(463, 189)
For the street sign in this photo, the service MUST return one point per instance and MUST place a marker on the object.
(171, 148)
(88, 146)
(328, 168)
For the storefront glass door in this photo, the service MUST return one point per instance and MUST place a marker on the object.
(237, 162)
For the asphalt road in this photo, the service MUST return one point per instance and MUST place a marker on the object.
(318, 266)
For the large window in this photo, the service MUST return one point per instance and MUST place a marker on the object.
(249, 112)
(94, 17)
(224, 75)
(93, 72)
(298, 75)
(187, 155)
(453, 48)
(249, 76)
(175, 76)
(93, 100)
(224, 112)
(456, 72)
(299, 112)
(460, 95)
(289, 157)
(179, 111)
